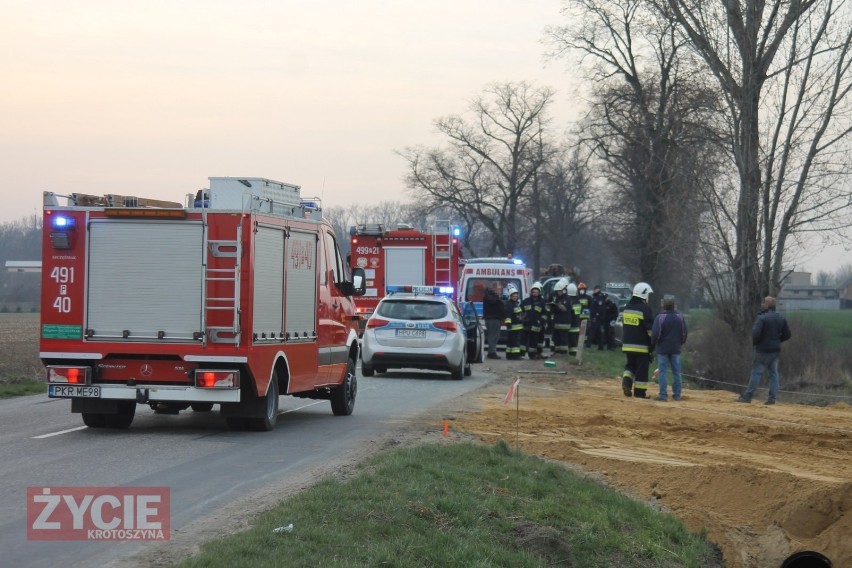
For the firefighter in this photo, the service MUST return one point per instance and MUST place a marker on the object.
(585, 310)
(637, 342)
(561, 315)
(535, 314)
(514, 324)
(574, 330)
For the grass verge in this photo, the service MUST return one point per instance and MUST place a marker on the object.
(461, 505)
(22, 388)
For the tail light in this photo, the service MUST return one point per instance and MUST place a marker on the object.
(208, 379)
(69, 375)
(376, 322)
(448, 325)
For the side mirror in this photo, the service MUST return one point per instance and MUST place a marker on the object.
(359, 281)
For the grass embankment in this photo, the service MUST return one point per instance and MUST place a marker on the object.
(22, 388)
(461, 505)
(20, 367)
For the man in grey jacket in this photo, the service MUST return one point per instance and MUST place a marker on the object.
(769, 331)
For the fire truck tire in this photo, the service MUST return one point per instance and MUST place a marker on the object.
(458, 373)
(124, 417)
(267, 422)
(201, 406)
(343, 396)
(94, 419)
(367, 370)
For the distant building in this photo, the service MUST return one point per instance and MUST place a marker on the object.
(845, 294)
(796, 279)
(23, 266)
(797, 293)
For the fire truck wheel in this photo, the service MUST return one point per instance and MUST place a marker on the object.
(458, 373)
(201, 406)
(270, 409)
(124, 417)
(367, 370)
(343, 397)
(236, 424)
(94, 420)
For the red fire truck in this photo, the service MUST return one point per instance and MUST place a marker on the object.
(233, 298)
(403, 256)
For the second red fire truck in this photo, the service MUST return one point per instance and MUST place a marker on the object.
(403, 256)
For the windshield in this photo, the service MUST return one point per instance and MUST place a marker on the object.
(412, 309)
(474, 290)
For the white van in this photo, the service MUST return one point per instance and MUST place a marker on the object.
(479, 273)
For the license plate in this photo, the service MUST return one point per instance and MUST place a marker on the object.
(411, 333)
(62, 391)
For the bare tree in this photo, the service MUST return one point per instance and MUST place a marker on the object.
(784, 67)
(843, 275)
(490, 162)
(387, 213)
(651, 124)
(559, 204)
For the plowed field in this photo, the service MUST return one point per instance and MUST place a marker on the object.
(764, 481)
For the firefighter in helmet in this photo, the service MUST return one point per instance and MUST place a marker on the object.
(585, 301)
(561, 315)
(637, 342)
(514, 323)
(574, 330)
(535, 314)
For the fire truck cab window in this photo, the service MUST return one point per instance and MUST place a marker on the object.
(321, 254)
(336, 260)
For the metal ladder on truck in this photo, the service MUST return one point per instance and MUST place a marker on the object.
(224, 249)
(442, 254)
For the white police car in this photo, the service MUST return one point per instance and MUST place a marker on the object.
(420, 327)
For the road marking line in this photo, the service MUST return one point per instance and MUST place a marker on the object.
(58, 433)
(280, 412)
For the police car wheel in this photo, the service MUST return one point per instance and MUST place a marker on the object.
(458, 373)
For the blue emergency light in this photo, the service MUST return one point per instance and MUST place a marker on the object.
(62, 222)
(60, 236)
(434, 290)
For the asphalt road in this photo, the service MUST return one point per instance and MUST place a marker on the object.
(205, 466)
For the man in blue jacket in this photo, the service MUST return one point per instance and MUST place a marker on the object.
(669, 333)
(769, 331)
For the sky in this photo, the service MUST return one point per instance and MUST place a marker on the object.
(152, 98)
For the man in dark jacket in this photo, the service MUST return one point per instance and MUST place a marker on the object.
(493, 313)
(597, 320)
(668, 334)
(769, 331)
(611, 311)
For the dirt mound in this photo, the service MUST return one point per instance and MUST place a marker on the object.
(763, 481)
